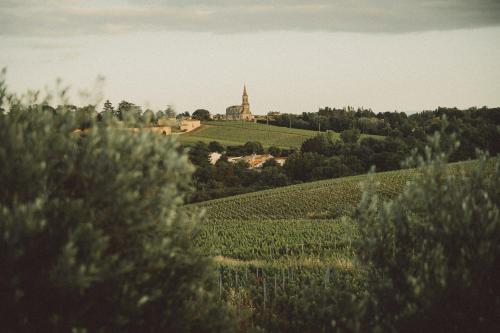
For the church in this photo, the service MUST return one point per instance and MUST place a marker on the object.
(240, 112)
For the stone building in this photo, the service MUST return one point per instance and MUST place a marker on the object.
(188, 125)
(240, 112)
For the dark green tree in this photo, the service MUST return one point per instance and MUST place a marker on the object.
(85, 116)
(108, 107)
(123, 110)
(215, 146)
(350, 136)
(321, 144)
(184, 114)
(253, 147)
(149, 118)
(170, 112)
(92, 237)
(432, 254)
(201, 114)
(275, 151)
(273, 175)
(198, 154)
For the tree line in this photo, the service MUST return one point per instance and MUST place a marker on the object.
(325, 156)
(125, 112)
(476, 125)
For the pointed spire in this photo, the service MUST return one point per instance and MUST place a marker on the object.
(245, 90)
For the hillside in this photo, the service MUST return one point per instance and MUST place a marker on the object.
(323, 199)
(292, 226)
(295, 225)
(237, 133)
(295, 236)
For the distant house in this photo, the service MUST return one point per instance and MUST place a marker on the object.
(214, 157)
(256, 161)
(218, 117)
(187, 125)
(280, 160)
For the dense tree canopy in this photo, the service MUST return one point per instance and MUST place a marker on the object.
(433, 253)
(92, 237)
(201, 114)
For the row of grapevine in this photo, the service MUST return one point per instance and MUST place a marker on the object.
(272, 239)
(323, 199)
(291, 299)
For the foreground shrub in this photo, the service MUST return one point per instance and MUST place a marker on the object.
(91, 234)
(433, 254)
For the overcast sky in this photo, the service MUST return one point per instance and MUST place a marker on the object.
(294, 55)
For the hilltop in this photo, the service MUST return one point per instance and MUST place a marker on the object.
(237, 133)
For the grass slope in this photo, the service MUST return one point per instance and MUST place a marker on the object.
(325, 199)
(271, 245)
(296, 227)
(237, 133)
(248, 240)
(315, 200)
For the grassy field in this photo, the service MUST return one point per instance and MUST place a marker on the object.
(315, 200)
(273, 247)
(237, 133)
(282, 253)
(294, 225)
(261, 240)
(298, 222)
(324, 199)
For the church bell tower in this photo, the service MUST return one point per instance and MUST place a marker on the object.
(245, 96)
(245, 106)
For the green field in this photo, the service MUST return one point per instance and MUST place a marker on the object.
(237, 133)
(274, 247)
(315, 200)
(296, 224)
(324, 199)
(261, 240)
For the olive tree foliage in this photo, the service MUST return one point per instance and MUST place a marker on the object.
(433, 253)
(92, 237)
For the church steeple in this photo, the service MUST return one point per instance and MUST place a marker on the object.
(245, 95)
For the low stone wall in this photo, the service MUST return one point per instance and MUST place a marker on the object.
(165, 130)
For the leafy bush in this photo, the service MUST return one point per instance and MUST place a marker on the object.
(433, 254)
(91, 234)
(275, 151)
(215, 146)
(350, 136)
(253, 147)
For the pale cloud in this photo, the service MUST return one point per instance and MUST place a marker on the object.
(78, 17)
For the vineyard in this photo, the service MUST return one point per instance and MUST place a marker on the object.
(324, 199)
(272, 239)
(281, 253)
(237, 133)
